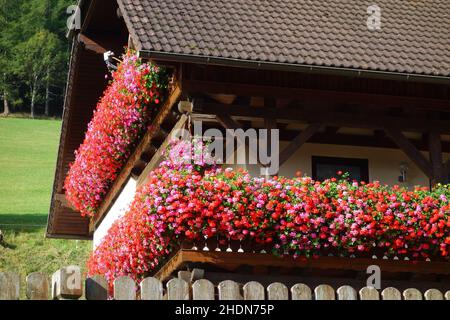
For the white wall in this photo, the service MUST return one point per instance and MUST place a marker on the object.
(384, 163)
(117, 210)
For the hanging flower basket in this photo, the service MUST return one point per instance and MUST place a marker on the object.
(120, 119)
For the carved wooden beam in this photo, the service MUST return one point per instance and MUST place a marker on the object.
(380, 100)
(226, 121)
(411, 151)
(230, 124)
(377, 140)
(91, 44)
(157, 158)
(326, 117)
(299, 141)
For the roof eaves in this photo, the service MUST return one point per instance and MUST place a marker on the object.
(263, 65)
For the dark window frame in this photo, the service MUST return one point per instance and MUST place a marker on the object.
(363, 164)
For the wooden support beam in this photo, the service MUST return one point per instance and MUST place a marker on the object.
(157, 158)
(299, 141)
(380, 100)
(226, 121)
(223, 98)
(139, 166)
(90, 44)
(230, 124)
(149, 153)
(326, 117)
(411, 151)
(437, 165)
(377, 140)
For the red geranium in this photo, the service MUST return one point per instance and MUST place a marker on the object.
(299, 217)
(119, 121)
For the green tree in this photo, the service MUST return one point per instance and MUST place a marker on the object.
(9, 11)
(35, 62)
(27, 78)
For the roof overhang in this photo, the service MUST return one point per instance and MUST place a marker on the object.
(85, 84)
(304, 68)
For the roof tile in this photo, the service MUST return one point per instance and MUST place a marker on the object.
(414, 36)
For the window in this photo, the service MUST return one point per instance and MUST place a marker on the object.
(326, 167)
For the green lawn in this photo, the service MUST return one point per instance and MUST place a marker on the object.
(28, 150)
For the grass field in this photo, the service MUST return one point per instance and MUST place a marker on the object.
(28, 150)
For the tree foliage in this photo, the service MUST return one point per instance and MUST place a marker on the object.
(33, 55)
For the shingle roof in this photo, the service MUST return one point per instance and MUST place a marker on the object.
(414, 36)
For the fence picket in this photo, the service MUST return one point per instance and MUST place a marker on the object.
(346, 293)
(433, 294)
(301, 291)
(324, 292)
(124, 289)
(229, 290)
(185, 275)
(277, 291)
(203, 290)
(151, 289)
(391, 294)
(197, 274)
(9, 286)
(369, 293)
(37, 286)
(412, 294)
(66, 283)
(96, 288)
(254, 291)
(177, 289)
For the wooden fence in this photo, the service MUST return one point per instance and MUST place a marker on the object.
(67, 283)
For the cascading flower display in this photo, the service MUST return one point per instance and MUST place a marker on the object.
(298, 217)
(119, 121)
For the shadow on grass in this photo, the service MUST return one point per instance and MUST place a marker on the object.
(7, 245)
(22, 223)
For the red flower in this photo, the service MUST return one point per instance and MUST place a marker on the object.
(118, 123)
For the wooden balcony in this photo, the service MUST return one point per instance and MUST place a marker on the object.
(244, 262)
